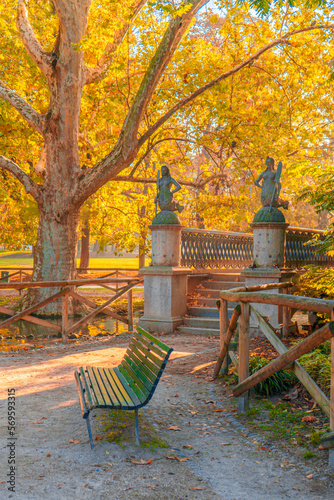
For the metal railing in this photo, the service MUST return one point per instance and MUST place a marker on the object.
(202, 249)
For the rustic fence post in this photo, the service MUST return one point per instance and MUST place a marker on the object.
(130, 310)
(286, 312)
(223, 326)
(243, 370)
(64, 318)
(20, 290)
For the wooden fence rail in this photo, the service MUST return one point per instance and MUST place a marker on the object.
(287, 358)
(66, 291)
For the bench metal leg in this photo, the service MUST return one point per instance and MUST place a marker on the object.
(137, 426)
(89, 432)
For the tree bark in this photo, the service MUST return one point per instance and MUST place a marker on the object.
(55, 256)
(84, 255)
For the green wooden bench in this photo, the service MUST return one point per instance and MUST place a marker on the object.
(129, 386)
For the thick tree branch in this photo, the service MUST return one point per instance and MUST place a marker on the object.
(40, 57)
(96, 73)
(227, 74)
(26, 111)
(163, 55)
(30, 186)
(126, 147)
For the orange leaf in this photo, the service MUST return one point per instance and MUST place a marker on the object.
(141, 461)
(74, 441)
(48, 454)
(195, 488)
(98, 438)
(178, 458)
(309, 418)
(174, 428)
(219, 409)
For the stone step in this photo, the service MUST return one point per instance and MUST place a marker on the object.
(207, 292)
(208, 312)
(236, 278)
(220, 285)
(203, 312)
(197, 331)
(203, 301)
(201, 322)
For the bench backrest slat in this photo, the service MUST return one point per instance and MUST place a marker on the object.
(157, 342)
(150, 345)
(140, 369)
(156, 360)
(132, 374)
(137, 398)
(141, 362)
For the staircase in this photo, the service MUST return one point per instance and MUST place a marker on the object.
(203, 315)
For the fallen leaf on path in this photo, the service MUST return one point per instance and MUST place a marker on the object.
(74, 441)
(225, 444)
(174, 428)
(219, 409)
(187, 446)
(48, 454)
(98, 438)
(40, 420)
(175, 396)
(195, 488)
(193, 412)
(178, 458)
(320, 447)
(310, 476)
(141, 461)
(151, 486)
(309, 418)
(244, 434)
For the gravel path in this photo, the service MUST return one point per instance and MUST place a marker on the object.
(209, 454)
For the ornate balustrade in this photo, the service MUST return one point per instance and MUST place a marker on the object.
(201, 249)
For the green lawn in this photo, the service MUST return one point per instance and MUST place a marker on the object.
(24, 261)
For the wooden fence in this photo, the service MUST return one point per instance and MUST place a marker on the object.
(68, 289)
(246, 297)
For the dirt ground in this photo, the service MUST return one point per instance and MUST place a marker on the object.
(193, 444)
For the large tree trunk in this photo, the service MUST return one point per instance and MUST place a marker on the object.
(55, 257)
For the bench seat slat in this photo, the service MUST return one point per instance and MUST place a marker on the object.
(106, 389)
(129, 401)
(142, 366)
(90, 395)
(122, 402)
(94, 386)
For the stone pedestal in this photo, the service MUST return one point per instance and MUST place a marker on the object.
(165, 298)
(264, 276)
(269, 229)
(269, 244)
(165, 281)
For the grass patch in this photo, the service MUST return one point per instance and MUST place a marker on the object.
(309, 454)
(277, 383)
(119, 427)
(121, 262)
